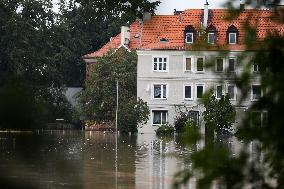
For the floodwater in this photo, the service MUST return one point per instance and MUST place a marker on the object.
(79, 159)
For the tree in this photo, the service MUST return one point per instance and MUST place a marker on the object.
(219, 114)
(99, 97)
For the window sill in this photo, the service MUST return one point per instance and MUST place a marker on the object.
(161, 71)
(188, 99)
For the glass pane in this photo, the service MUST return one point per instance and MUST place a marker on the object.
(231, 91)
(199, 64)
(219, 91)
(157, 91)
(156, 117)
(231, 67)
(232, 38)
(188, 64)
(160, 66)
(164, 117)
(160, 59)
(256, 92)
(155, 60)
(165, 66)
(165, 59)
(220, 64)
(199, 91)
(155, 66)
(187, 91)
(164, 91)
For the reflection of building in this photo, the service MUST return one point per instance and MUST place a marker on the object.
(174, 51)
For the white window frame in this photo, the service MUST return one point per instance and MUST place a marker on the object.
(235, 63)
(152, 116)
(224, 60)
(235, 38)
(235, 91)
(216, 92)
(185, 85)
(199, 84)
(167, 63)
(261, 92)
(184, 63)
(196, 58)
(252, 68)
(162, 94)
(192, 37)
(211, 33)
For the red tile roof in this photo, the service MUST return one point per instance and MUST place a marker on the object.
(172, 28)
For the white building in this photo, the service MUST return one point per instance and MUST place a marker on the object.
(174, 52)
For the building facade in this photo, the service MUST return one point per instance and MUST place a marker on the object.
(181, 56)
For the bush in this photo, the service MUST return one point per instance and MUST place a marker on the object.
(165, 129)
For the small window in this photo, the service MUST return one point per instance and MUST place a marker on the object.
(231, 92)
(220, 64)
(188, 63)
(189, 37)
(199, 91)
(200, 64)
(159, 117)
(160, 91)
(232, 64)
(255, 67)
(160, 64)
(219, 91)
(211, 38)
(187, 92)
(232, 38)
(256, 92)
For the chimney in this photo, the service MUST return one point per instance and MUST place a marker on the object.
(125, 35)
(242, 5)
(147, 16)
(205, 15)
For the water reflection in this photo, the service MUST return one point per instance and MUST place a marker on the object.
(78, 159)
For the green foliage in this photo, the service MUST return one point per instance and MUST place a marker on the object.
(219, 114)
(181, 119)
(165, 129)
(98, 100)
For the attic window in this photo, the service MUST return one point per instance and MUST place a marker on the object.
(232, 35)
(212, 33)
(164, 40)
(189, 34)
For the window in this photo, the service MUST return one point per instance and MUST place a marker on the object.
(256, 92)
(255, 67)
(200, 64)
(189, 37)
(232, 64)
(211, 38)
(160, 63)
(188, 64)
(160, 117)
(160, 91)
(220, 64)
(231, 92)
(219, 91)
(199, 90)
(187, 92)
(232, 38)
(259, 118)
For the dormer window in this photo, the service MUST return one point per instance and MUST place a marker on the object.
(189, 37)
(232, 35)
(211, 34)
(189, 34)
(232, 38)
(211, 38)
